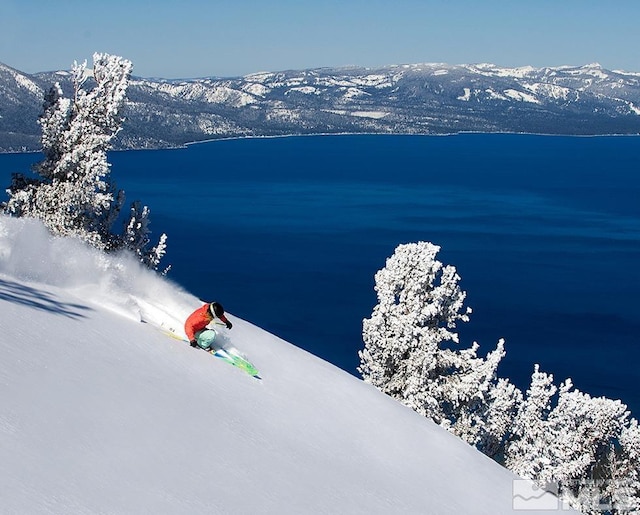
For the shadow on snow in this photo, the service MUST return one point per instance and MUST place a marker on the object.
(27, 296)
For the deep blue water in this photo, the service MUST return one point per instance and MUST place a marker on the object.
(288, 234)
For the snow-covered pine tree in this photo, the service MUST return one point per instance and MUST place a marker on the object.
(587, 457)
(585, 446)
(503, 401)
(136, 237)
(412, 318)
(529, 432)
(406, 356)
(73, 196)
(584, 427)
(622, 488)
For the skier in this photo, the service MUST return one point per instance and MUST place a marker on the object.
(196, 325)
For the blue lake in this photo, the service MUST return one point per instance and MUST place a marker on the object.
(288, 234)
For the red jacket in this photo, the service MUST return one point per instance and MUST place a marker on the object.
(199, 320)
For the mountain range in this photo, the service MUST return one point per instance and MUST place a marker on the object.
(431, 98)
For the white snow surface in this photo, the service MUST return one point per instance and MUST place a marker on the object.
(28, 84)
(103, 414)
(466, 96)
(521, 96)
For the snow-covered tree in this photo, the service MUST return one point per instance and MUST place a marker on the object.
(502, 403)
(136, 237)
(73, 196)
(623, 471)
(529, 432)
(408, 355)
(586, 446)
(414, 315)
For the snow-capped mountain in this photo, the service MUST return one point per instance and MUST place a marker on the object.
(414, 99)
(21, 98)
(101, 413)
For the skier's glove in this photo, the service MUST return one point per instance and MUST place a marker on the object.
(193, 343)
(229, 325)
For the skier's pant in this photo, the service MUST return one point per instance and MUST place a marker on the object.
(205, 338)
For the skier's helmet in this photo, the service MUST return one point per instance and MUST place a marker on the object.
(216, 309)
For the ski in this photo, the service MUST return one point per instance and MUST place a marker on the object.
(237, 361)
(231, 356)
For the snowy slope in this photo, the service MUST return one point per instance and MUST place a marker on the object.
(100, 413)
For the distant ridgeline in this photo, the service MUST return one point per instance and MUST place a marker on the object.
(401, 99)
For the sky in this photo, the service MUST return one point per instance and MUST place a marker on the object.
(228, 38)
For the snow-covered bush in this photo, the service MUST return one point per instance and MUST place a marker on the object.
(408, 353)
(73, 195)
